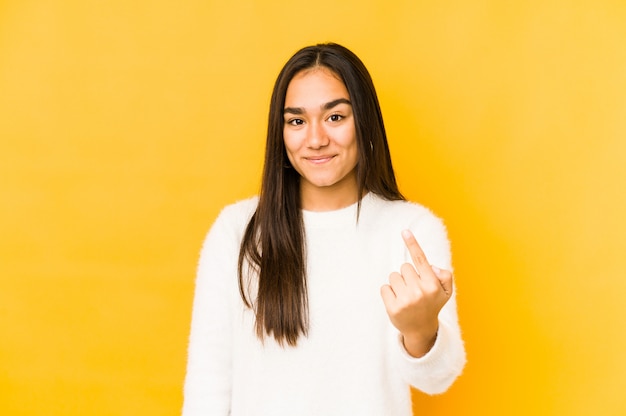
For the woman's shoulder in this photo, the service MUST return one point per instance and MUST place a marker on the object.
(236, 215)
(402, 210)
(245, 207)
(428, 228)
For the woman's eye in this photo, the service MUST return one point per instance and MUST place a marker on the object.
(335, 117)
(296, 122)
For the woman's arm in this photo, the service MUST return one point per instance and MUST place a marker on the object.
(421, 302)
(207, 388)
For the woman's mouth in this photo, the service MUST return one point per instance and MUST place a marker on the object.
(319, 160)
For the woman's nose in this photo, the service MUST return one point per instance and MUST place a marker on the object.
(316, 136)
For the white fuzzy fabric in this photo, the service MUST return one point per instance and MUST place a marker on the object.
(352, 362)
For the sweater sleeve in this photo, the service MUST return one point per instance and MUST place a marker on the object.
(207, 389)
(435, 372)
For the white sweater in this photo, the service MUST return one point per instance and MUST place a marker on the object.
(352, 362)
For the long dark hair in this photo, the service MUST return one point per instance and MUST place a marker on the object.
(273, 245)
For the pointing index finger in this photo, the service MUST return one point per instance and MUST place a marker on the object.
(417, 255)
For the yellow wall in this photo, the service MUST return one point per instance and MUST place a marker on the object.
(126, 125)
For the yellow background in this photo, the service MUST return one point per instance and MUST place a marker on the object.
(126, 125)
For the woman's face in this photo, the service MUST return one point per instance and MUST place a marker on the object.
(320, 139)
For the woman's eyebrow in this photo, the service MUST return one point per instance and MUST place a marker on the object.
(326, 106)
(293, 110)
(336, 102)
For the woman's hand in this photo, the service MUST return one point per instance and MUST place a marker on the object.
(414, 297)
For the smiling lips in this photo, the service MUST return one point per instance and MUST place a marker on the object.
(319, 160)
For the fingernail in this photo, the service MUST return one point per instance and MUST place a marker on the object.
(436, 269)
(406, 234)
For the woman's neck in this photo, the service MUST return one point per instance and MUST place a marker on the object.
(327, 199)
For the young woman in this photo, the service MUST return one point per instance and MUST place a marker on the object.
(315, 298)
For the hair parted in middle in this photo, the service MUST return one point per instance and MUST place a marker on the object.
(273, 246)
